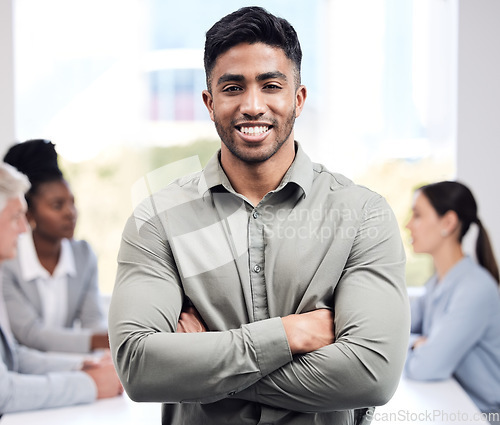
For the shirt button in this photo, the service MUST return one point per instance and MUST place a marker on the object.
(255, 214)
(257, 268)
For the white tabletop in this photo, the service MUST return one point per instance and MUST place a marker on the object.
(114, 411)
(414, 403)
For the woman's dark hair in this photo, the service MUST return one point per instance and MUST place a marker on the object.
(251, 25)
(38, 160)
(454, 196)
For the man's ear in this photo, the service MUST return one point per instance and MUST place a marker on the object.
(209, 103)
(300, 99)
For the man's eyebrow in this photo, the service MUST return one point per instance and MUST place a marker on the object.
(230, 77)
(270, 75)
(261, 77)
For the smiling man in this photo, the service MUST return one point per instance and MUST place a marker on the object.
(264, 289)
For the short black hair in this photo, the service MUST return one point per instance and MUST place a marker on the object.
(251, 25)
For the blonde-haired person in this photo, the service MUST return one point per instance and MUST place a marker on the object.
(456, 323)
(30, 379)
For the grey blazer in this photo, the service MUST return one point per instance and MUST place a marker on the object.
(24, 306)
(30, 379)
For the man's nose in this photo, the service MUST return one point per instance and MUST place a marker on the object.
(253, 103)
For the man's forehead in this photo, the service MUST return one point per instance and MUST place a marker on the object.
(237, 59)
(252, 61)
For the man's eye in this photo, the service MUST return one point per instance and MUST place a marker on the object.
(272, 87)
(231, 89)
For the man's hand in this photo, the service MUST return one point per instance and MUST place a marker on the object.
(105, 378)
(190, 321)
(305, 332)
(309, 331)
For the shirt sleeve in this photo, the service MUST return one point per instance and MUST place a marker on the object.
(43, 381)
(156, 364)
(363, 366)
(455, 333)
(31, 361)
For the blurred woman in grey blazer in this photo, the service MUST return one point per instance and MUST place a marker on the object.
(51, 288)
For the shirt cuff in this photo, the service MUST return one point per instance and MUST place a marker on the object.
(271, 344)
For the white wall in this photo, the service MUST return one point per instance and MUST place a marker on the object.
(478, 113)
(7, 122)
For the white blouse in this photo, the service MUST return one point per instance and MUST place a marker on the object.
(52, 289)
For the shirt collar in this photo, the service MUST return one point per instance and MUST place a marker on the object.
(31, 268)
(300, 173)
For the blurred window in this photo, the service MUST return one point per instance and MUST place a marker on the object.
(117, 84)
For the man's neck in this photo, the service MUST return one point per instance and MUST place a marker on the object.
(254, 181)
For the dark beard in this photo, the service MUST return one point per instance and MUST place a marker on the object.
(225, 135)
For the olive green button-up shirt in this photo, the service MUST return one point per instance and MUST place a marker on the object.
(317, 241)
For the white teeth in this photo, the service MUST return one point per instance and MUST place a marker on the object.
(254, 130)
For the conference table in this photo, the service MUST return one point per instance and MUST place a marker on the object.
(414, 402)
